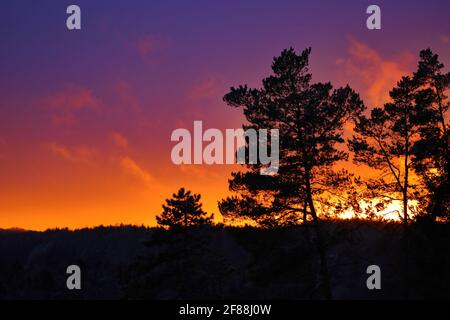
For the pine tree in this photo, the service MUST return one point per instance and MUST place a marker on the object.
(384, 141)
(183, 210)
(432, 150)
(310, 119)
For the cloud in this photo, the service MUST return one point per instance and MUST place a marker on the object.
(376, 74)
(77, 154)
(72, 98)
(130, 167)
(119, 140)
(126, 97)
(445, 39)
(147, 46)
(205, 89)
(205, 173)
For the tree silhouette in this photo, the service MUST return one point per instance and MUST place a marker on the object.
(183, 210)
(310, 119)
(384, 141)
(408, 135)
(432, 150)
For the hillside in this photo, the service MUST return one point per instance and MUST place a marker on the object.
(216, 263)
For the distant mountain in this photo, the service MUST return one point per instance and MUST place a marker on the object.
(13, 230)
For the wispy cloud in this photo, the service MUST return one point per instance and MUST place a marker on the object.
(445, 39)
(148, 45)
(126, 98)
(76, 154)
(201, 173)
(377, 74)
(205, 89)
(119, 140)
(68, 101)
(130, 167)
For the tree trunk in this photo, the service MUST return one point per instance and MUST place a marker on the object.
(405, 191)
(444, 133)
(305, 213)
(437, 199)
(319, 244)
(405, 212)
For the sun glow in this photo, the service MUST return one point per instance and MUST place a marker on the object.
(392, 212)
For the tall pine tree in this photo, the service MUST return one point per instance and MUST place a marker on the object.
(432, 150)
(384, 141)
(310, 118)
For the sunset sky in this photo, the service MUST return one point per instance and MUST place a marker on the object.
(86, 116)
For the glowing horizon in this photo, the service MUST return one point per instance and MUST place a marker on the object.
(86, 117)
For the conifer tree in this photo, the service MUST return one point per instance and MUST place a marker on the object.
(310, 118)
(183, 210)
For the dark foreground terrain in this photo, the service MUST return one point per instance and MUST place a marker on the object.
(225, 263)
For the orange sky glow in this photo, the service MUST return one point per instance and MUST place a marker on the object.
(85, 122)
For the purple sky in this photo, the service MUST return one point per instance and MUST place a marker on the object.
(83, 113)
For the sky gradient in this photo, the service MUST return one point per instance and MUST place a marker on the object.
(86, 116)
